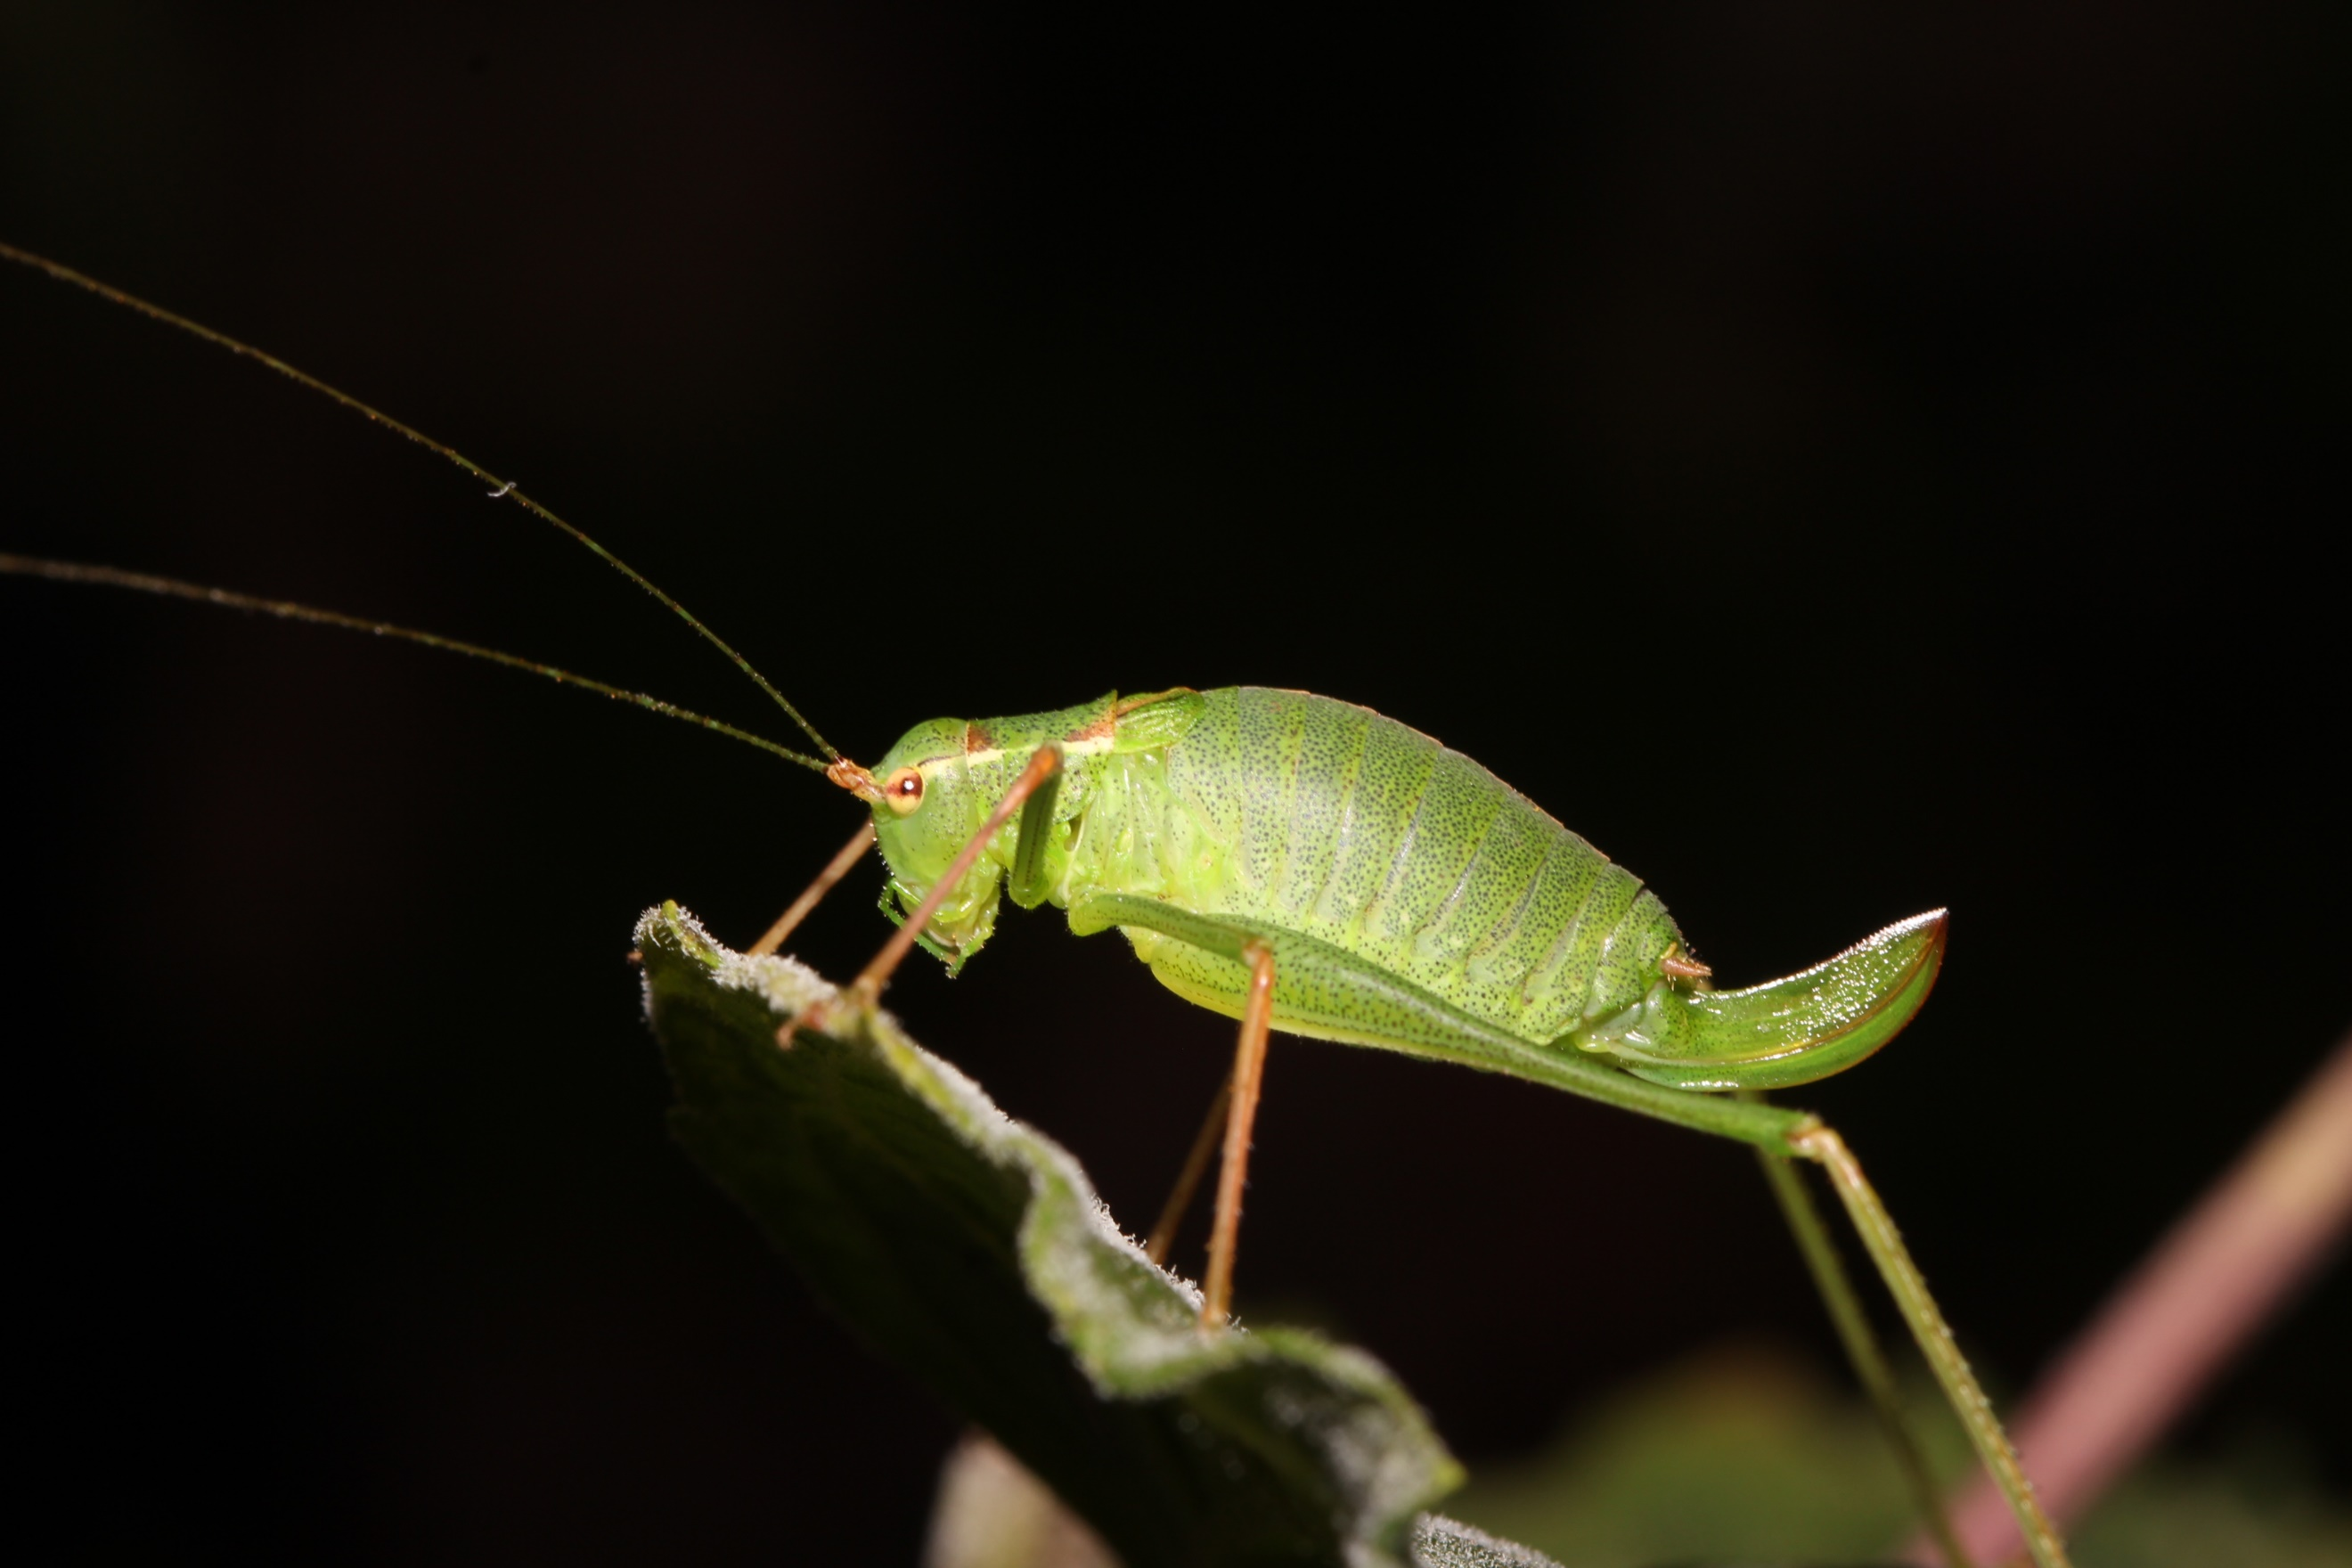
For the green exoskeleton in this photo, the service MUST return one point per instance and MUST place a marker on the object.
(1414, 901)
(1306, 865)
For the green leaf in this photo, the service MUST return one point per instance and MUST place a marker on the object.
(1737, 1455)
(1744, 1454)
(971, 1250)
(1442, 1542)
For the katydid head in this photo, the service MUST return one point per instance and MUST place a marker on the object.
(949, 789)
(927, 806)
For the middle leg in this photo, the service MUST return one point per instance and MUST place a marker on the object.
(1241, 1113)
(1188, 1181)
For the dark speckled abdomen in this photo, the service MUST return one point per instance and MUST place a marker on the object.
(1334, 821)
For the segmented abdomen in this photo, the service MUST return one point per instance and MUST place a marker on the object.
(1335, 821)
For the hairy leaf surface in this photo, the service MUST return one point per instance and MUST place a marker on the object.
(971, 1251)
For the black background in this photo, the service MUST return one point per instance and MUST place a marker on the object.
(1843, 460)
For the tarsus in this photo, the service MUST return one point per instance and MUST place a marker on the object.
(504, 488)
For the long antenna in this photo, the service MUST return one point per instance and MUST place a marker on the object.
(173, 588)
(502, 488)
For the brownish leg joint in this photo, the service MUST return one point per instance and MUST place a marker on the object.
(1241, 1113)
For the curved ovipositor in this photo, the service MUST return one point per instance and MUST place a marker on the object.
(1783, 1032)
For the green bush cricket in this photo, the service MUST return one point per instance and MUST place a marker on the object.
(1306, 865)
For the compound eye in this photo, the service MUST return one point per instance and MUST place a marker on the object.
(904, 790)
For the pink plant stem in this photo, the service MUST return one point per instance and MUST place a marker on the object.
(2172, 1325)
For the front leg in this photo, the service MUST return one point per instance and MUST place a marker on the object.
(865, 991)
